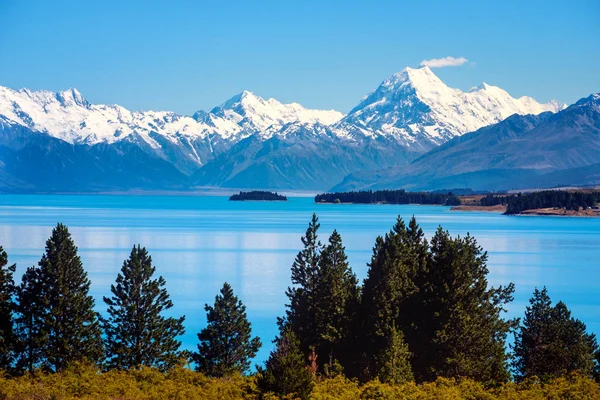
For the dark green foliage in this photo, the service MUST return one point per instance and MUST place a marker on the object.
(551, 343)
(436, 299)
(338, 297)
(58, 324)
(387, 288)
(463, 333)
(389, 197)
(301, 312)
(29, 321)
(136, 331)
(544, 199)
(323, 301)
(257, 195)
(226, 346)
(285, 371)
(8, 338)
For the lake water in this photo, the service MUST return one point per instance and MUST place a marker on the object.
(197, 243)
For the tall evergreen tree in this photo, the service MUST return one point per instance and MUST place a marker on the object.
(30, 328)
(387, 288)
(8, 338)
(301, 310)
(226, 346)
(337, 298)
(136, 331)
(551, 343)
(285, 373)
(58, 290)
(463, 330)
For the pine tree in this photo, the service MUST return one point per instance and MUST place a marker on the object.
(285, 372)
(387, 288)
(394, 359)
(226, 346)
(30, 328)
(8, 338)
(463, 331)
(301, 311)
(551, 343)
(69, 329)
(337, 298)
(136, 331)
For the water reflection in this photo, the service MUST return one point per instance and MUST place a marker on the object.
(197, 243)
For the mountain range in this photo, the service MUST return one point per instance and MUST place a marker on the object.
(61, 142)
(523, 151)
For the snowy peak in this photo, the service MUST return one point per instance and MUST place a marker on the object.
(417, 77)
(414, 105)
(255, 114)
(68, 116)
(72, 97)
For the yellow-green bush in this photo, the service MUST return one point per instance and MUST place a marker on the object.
(86, 382)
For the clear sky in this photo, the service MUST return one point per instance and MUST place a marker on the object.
(189, 55)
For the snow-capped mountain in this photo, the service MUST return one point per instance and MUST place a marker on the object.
(60, 141)
(246, 114)
(522, 151)
(70, 117)
(416, 107)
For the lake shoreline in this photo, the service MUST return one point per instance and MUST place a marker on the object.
(542, 212)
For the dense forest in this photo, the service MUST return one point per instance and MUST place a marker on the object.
(424, 324)
(257, 195)
(389, 197)
(569, 200)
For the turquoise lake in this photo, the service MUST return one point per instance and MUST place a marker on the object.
(197, 243)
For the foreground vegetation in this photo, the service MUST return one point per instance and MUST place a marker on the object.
(423, 324)
(258, 195)
(84, 381)
(389, 197)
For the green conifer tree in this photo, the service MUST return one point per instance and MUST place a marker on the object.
(394, 365)
(8, 337)
(70, 328)
(301, 310)
(285, 373)
(30, 328)
(226, 346)
(337, 298)
(136, 331)
(551, 343)
(387, 288)
(462, 322)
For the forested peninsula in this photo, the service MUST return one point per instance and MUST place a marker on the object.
(545, 202)
(424, 324)
(389, 197)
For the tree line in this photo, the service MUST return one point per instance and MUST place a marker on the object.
(389, 197)
(569, 200)
(424, 312)
(48, 321)
(256, 195)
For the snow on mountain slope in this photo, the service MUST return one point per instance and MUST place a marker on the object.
(70, 117)
(416, 106)
(254, 114)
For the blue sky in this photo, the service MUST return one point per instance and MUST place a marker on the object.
(189, 55)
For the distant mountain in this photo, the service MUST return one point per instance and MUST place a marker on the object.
(247, 114)
(416, 107)
(528, 151)
(411, 112)
(299, 156)
(246, 142)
